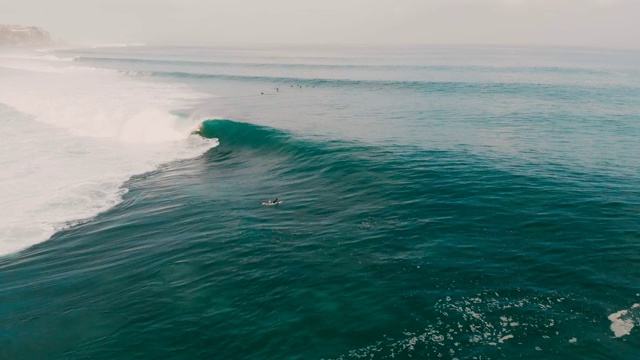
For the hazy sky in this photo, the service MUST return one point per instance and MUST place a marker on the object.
(597, 23)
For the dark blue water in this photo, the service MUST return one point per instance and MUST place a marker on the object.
(469, 203)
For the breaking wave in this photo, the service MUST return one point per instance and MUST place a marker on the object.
(73, 135)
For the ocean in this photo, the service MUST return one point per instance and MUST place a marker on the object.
(438, 202)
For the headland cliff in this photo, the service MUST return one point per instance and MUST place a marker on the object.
(23, 36)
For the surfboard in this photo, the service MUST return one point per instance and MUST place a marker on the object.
(271, 203)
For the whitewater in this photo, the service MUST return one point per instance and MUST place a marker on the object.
(72, 135)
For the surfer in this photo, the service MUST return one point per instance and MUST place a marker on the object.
(272, 202)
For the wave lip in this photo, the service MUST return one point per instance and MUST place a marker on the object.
(263, 140)
(233, 133)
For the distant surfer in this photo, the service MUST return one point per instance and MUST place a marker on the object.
(275, 201)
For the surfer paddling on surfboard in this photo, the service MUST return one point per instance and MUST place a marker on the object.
(272, 202)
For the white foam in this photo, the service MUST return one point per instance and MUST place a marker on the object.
(486, 319)
(73, 135)
(622, 322)
(506, 337)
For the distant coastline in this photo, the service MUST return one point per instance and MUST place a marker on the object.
(24, 36)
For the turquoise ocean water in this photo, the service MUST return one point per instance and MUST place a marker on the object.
(438, 202)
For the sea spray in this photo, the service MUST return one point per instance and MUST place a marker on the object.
(72, 136)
